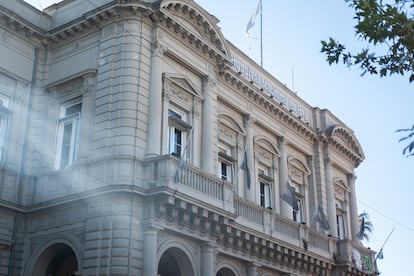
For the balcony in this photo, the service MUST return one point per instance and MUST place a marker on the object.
(206, 189)
(163, 173)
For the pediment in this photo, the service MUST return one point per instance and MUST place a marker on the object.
(195, 20)
(347, 139)
(182, 83)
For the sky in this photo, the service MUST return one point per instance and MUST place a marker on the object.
(373, 107)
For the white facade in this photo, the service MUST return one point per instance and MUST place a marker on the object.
(136, 140)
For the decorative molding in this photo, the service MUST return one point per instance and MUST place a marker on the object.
(221, 228)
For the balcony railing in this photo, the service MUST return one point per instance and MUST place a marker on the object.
(163, 171)
(248, 210)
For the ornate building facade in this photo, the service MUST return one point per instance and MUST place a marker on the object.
(136, 140)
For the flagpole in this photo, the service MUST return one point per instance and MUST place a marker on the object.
(261, 34)
(389, 235)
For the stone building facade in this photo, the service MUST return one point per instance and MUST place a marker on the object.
(136, 140)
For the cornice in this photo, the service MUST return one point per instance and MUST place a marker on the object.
(279, 111)
(18, 25)
(96, 18)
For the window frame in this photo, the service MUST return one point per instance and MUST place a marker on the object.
(265, 186)
(177, 123)
(340, 229)
(226, 160)
(298, 215)
(65, 120)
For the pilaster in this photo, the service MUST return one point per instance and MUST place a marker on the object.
(330, 196)
(207, 260)
(207, 129)
(249, 189)
(251, 269)
(150, 265)
(86, 116)
(353, 207)
(285, 208)
(155, 97)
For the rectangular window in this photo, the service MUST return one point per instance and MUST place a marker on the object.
(265, 185)
(226, 163)
(177, 132)
(265, 195)
(340, 224)
(68, 135)
(297, 214)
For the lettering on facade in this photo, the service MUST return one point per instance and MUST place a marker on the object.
(268, 88)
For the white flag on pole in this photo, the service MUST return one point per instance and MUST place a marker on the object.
(252, 20)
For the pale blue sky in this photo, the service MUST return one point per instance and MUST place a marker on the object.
(373, 107)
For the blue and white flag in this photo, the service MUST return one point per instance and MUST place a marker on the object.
(320, 218)
(290, 197)
(245, 167)
(182, 163)
(380, 255)
(252, 20)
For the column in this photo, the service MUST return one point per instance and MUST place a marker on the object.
(353, 216)
(330, 196)
(207, 260)
(249, 185)
(251, 269)
(313, 195)
(208, 120)
(285, 208)
(150, 265)
(155, 98)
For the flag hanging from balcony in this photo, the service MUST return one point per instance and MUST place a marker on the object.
(290, 198)
(181, 164)
(252, 20)
(361, 232)
(320, 218)
(245, 167)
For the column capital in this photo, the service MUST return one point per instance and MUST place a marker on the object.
(327, 160)
(283, 142)
(158, 49)
(248, 120)
(209, 82)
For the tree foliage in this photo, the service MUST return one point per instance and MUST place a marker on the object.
(388, 30)
(409, 149)
(368, 226)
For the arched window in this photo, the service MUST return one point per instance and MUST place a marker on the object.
(266, 155)
(298, 180)
(341, 195)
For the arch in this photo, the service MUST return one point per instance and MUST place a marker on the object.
(178, 253)
(293, 161)
(229, 121)
(62, 252)
(265, 143)
(228, 268)
(175, 261)
(225, 272)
